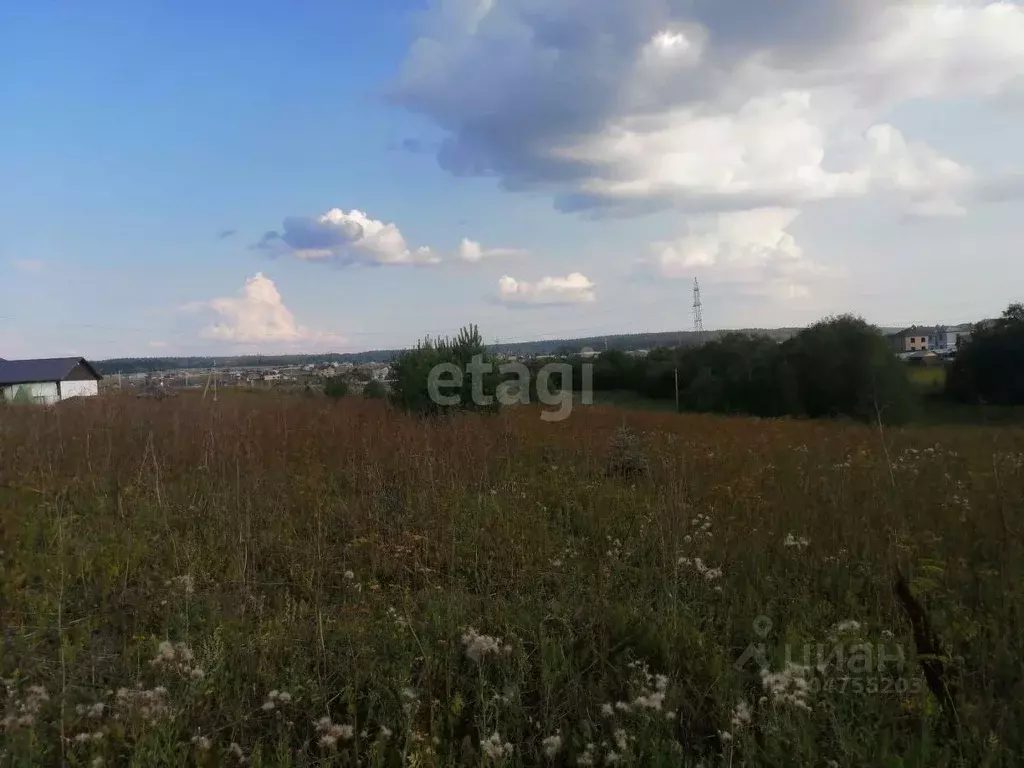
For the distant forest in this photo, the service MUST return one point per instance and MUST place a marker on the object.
(623, 342)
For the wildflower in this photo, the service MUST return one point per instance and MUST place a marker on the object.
(186, 583)
(494, 748)
(82, 738)
(552, 746)
(846, 627)
(268, 706)
(349, 575)
(788, 686)
(725, 736)
(793, 542)
(236, 750)
(385, 732)
(621, 739)
(607, 710)
(587, 758)
(886, 634)
(612, 758)
(331, 732)
(327, 741)
(97, 762)
(741, 715)
(202, 743)
(478, 646)
(650, 701)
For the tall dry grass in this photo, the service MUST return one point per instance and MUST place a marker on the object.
(343, 584)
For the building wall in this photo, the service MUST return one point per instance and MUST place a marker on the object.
(85, 388)
(44, 392)
(918, 342)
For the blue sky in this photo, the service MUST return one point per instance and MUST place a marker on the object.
(570, 167)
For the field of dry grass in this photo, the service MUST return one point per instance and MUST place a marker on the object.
(287, 581)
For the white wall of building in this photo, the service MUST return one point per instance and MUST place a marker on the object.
(44, 392)
(87, 388)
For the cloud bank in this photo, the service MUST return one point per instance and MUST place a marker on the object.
(708, 105)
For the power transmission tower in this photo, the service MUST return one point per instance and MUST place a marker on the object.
(698, 313)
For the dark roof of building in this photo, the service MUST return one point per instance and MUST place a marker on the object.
(917, 330)
(50, 369)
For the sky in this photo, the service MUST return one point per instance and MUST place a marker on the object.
(179, 177)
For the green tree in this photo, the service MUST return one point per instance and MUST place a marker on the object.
(375, 390)
(446, 374)
(989, 367)
(844, 367)
(336, 387)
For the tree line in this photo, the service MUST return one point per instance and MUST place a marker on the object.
(839, 367)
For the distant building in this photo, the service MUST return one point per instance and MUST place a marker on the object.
(47, 381)
(950, 338)
(914, 339)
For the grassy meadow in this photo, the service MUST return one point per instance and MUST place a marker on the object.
(287, 581)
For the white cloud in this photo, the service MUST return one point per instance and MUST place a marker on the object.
(571, 289)
(345, 237)
(471, 251)
(352, 237)
(933, 183)
(749, 248)
(259, 316)
(706, 105)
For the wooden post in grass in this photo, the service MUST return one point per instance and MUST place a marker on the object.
(677, 390)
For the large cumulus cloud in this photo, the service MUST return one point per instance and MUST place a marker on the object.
(705, 104)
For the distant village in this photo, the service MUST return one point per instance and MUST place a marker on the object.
(254, 377)
(47, 381)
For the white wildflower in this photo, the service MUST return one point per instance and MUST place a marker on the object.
(741, 715)
(846, 627)
(621, 739)
(478, 646)
(202, 743)
(327, 741)
(494, 748)
(793, 542)
(552, 746)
